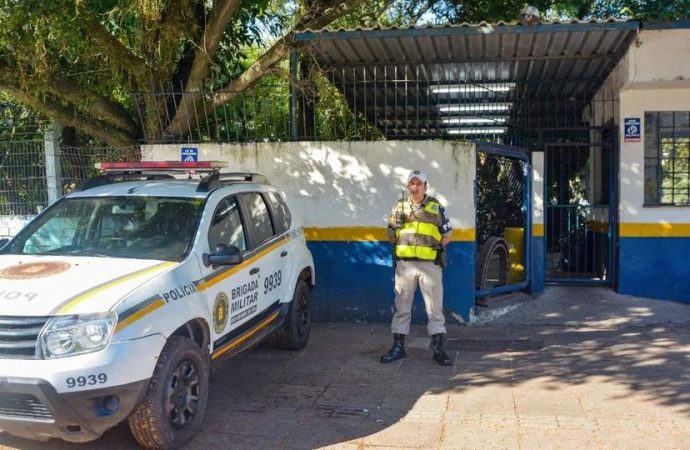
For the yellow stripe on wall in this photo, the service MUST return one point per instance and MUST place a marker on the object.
(464, 234)
(538, 229)
(367, 234)
(655, 229)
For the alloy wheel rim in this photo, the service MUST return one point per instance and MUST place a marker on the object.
(303, 315)
(183, 393)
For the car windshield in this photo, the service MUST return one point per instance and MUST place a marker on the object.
(160, 228)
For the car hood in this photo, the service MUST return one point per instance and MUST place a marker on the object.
(45, 285)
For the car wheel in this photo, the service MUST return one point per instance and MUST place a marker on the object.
(174, 407)
(298, 322)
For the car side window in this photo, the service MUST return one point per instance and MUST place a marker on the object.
(226, 226)
(259, 223)
(283, 219)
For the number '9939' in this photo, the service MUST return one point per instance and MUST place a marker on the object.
(86, 380)
(272, 281)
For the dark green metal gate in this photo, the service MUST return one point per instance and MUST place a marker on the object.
(580, 212)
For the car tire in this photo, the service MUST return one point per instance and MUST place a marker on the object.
(298, 322)
(174, 407)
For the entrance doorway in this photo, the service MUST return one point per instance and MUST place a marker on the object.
(580, 211)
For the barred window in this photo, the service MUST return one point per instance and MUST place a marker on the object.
(667, 158)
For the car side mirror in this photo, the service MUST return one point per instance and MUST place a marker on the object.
(223, 255)
(4, 241)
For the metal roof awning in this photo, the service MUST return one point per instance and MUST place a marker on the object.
(435, 74)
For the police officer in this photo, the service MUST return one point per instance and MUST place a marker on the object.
(418, 228)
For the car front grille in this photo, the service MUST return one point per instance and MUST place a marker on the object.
(23, 406)
(19, 336)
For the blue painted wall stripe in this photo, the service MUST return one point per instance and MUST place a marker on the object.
(655, 267)
(355, 281)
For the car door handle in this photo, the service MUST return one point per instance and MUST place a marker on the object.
(283, 253)
(254, 271)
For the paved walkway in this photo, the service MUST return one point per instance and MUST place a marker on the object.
(574, 368)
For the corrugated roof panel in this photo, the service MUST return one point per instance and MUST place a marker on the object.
(544, 61)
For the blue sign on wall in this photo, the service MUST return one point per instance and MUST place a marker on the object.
(189, 154)
(632, 129)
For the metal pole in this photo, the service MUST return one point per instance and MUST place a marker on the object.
(51, 140)
(293, 95)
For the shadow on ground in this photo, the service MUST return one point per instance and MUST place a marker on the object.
(514, 384)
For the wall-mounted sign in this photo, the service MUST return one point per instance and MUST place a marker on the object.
(189, 154)
(632, 129)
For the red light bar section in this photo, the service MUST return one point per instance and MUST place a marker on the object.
(199, 166)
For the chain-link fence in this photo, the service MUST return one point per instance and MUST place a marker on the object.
(23, 186)
(22, 180)
(78, 163)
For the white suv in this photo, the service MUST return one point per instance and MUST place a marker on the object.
(118, 299)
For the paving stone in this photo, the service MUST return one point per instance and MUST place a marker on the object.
(568, 376)
(493, 399)
(480, 432)
(407, 434)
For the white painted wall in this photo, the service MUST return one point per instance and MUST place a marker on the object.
(654, 75)
(538, 191)
(658, 56)
(635, 101)
(10, 225)
(350, 184)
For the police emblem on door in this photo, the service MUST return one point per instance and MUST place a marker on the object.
(220, 312)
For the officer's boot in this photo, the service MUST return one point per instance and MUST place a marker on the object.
(440, 354)
(397, 351)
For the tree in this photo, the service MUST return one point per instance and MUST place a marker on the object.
(110, 67)
(411, 12)
(78, 61)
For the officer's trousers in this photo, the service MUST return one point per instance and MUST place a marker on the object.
(429, 276)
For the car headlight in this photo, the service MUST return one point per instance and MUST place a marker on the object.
(77, 334)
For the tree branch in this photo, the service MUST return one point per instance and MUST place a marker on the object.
(179, 24)
(316, 18)
(204, 55)
(213, 33)
(71, 117)
(116, 51)
(97, 104)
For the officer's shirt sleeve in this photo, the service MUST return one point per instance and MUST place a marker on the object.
(445, 227)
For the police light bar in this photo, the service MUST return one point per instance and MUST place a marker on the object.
(151, 166)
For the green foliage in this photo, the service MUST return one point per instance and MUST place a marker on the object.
(80, 61)
(411, 12)
(19, 123)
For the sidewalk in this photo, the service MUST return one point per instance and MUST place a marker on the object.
(574, 368)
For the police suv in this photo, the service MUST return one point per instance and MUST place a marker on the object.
(118, 299)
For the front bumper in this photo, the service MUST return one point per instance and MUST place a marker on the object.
(31, 408)
(39, 399)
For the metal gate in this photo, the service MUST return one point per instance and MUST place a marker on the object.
(503, 221)
(580, 212)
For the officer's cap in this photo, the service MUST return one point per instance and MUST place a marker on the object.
(421, 176)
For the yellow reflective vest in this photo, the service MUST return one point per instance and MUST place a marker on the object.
(419, 236)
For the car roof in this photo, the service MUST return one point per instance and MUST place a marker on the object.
(163, 188)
